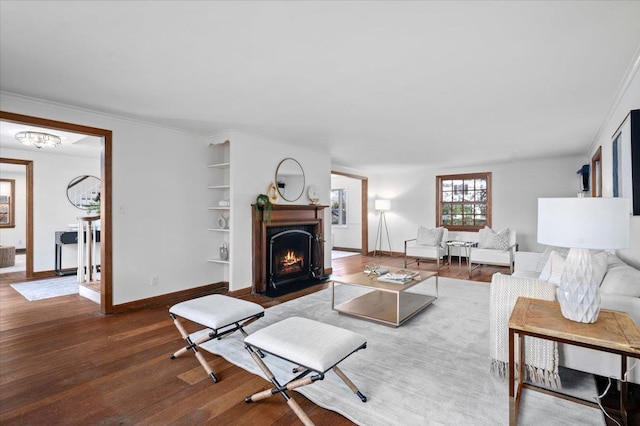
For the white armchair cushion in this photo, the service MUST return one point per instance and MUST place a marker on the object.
(429, 237)
(490, 256)
(495, 240)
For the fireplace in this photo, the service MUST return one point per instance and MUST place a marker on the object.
(288, 251)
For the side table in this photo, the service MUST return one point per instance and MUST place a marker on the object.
(614, 332)
(460, 244)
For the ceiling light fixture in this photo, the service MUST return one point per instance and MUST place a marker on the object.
(39, 139)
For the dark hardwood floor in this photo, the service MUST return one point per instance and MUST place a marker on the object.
(62, 362)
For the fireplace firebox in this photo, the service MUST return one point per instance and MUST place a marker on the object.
(288, 250)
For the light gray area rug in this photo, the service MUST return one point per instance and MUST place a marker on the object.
(46, 289)
(433, 370)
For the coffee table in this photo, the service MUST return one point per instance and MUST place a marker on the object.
(385, 303)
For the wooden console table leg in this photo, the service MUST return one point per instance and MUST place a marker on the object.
(623, 389)
(515, 387)
(512, 402)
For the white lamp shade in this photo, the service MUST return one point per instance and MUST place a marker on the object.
(590, 223)
(383, 205)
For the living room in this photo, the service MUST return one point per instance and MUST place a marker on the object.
(159, 198)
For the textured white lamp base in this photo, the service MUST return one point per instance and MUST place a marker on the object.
(578, 293)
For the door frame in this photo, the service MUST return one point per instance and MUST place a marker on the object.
(364, 181)
(106, 267)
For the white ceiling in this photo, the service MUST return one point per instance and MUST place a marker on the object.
(378, 85)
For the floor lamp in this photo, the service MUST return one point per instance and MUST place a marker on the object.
(382, 206)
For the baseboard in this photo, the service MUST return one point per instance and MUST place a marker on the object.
(170, 299)
(386, 253)
(44, 274)
(347, 249)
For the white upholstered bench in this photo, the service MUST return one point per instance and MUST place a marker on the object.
(221, 315)
(313, 346)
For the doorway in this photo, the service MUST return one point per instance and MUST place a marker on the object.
(355, 239)
(106, 290)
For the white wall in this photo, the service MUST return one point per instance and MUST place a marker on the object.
(516, 187)
(16, 236)
(253, 167)
(628, 100)
(52, 210)
(349, 236)
(159, 205)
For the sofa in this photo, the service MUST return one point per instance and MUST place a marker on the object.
(619, 291)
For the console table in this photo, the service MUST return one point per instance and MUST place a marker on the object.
(614, 332)
(64, 238)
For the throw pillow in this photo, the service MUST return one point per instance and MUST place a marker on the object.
(496, 240)
(547, 253)
(621, 279)
(429, 237)
(552, 271)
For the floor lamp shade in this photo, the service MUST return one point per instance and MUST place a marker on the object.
(581, 224)
(383, 205)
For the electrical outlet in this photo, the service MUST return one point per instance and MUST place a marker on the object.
(154, 281)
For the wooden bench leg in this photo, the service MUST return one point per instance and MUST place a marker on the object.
(193, 346)
(349, 383)
(280, 389)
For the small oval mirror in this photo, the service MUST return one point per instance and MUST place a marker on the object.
(290, 179)
(84, 192)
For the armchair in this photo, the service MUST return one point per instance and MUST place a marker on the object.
(493, 249)
(428, 245)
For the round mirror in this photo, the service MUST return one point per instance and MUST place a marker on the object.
(84, 192)
(290, 179)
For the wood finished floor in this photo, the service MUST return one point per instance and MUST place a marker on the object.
(62, 362)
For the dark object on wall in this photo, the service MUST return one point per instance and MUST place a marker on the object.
(626, 160)
(584, 171)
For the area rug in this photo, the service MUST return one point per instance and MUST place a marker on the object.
(433, 370)
(46, 289)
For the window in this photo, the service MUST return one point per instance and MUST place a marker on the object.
(7, 207)
(339, 207)
(464, 201)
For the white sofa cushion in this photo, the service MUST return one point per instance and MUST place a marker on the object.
(429, 237)
(621, 279)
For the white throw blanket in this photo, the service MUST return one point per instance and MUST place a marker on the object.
(541, 356)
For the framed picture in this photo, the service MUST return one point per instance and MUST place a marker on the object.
(626, 160)
(7, 208)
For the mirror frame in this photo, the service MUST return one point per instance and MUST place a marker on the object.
(77, 180)
(297, 197)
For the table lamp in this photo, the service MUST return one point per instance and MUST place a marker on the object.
(581, 224)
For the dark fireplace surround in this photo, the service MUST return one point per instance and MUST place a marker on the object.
(288, 251)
